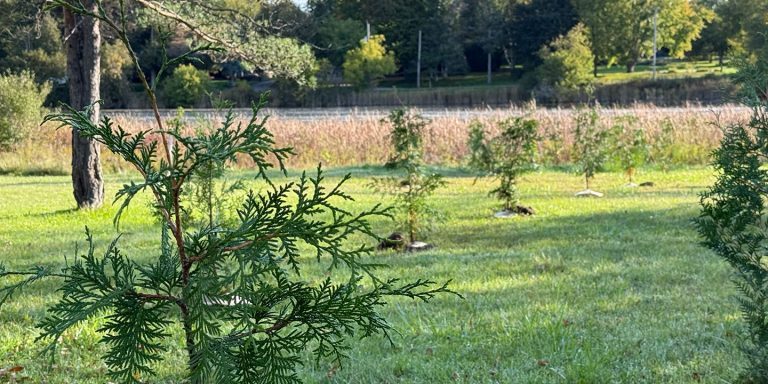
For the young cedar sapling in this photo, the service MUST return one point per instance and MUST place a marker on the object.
(590, 139)
(733, 220)
(252, 324)
(507, 157)
(415, 185)
(212, 195)
(629, 147)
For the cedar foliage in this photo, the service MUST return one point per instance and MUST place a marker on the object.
(733, 220)
(235, 290)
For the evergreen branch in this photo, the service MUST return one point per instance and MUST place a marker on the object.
(37, 273)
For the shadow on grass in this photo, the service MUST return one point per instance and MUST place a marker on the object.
(599, 233)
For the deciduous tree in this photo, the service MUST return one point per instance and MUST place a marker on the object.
(623, 29)
(368, 63)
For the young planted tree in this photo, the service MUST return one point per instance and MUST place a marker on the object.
(629, 147)
(589, 147)
(416, 185)
(733, 222)
(506, 156)
(234, 291)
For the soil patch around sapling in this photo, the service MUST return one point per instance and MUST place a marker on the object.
(518, 210)
(397, 242)
(589, 193)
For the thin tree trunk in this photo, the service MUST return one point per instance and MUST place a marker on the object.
(83, 66)
(631, 66)
(594, 66)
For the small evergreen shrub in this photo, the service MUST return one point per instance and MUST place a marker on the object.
(234, 289)
(414, 187)
(21, 107)
(506, 156)
(733, 215)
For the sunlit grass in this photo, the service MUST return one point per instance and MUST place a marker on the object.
(587, 291)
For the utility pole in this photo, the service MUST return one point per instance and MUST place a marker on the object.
(655, 29)
(367, 31)
(418, 63)
(489, 56)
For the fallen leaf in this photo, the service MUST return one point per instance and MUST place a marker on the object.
(696, 376)
(454, 376)
(17, 368)
(566, 322)
(542, 363)
(429, 352)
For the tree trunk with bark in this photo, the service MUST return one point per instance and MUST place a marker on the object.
(83, 46)
(631, 66)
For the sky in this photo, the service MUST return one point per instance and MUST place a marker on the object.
(301, 3)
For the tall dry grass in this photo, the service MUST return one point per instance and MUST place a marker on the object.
(363, 138)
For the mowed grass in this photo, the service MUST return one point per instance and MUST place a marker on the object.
(587, 291)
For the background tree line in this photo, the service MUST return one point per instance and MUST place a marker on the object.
(458, 37)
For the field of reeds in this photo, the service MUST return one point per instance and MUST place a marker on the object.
(680, 136)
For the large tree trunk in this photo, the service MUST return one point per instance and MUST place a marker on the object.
(83, 67)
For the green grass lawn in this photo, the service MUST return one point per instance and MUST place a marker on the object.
(587, 291)
(666, 69)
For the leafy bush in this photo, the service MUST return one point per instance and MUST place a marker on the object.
(412, 190)
(185, 87)
(629, 148)
(568, 60)
(733, 216)
(480, 156)
(589, 147)
(506, 156)
(365, 65)
(21, 101)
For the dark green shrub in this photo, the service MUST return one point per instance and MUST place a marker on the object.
(21, 106)
(733, 217)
